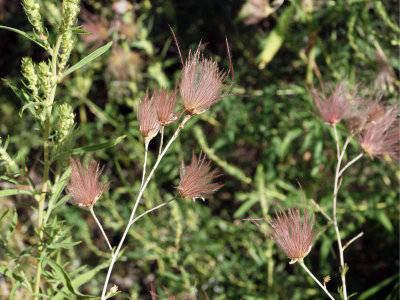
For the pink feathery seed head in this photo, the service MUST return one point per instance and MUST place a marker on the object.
(85, 186)
(293, 235)
(202, 82)
(165, 105)
(333, 107)
(196, 179)
(147, 116)
(382, 137)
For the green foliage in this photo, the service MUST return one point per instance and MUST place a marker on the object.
(263, 138)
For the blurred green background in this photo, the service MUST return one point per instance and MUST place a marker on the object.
(263, 139)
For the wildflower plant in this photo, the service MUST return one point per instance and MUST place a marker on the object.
(294, 236)
(376, 127)
(84, 183)
(54, 121)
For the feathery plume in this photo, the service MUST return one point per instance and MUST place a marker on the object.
(382, 137)
(332, 108)
(196, 179)
(147, 116)
(293, 235)
(165, 105)
(85, 186)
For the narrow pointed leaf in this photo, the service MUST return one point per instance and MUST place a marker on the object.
(29, 36)
(88, 59)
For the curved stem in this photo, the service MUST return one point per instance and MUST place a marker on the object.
(350, 163)
(46, 160)
(101, 227)
(152, 209)
(114, 257)
(301, 263)
(353, 239)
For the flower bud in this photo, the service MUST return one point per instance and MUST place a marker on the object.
(46, 78)
(67, 44)
(70, 11)
(9, 163)
(29, 72)
(66, 122)
(32, 11)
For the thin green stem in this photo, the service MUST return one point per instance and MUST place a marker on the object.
(114, 257)
(101, 227)
(301, 263)
(46, 159)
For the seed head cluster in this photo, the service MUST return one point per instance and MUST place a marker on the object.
(201, 85)
(85, 186)
(375, 124)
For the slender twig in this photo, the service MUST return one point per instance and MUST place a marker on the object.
(350, 163)
(152, 209)
(340, 156)
(146, 151)
(161, 141)
(114, 257)
(322, 211)
(301, 263)
(353, 239)
(337, 141)
(101, 227)
(46, 160)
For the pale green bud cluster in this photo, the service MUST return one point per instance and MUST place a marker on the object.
(29, 72)
(32, 10)
(69, 13)
(46, 78)
(66, 122)
(10, 164)
(67, 44)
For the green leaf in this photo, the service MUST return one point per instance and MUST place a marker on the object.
(64, 277)
(56, 192)
(385, 221)
(375, 289)
(91, 148)
(10, 274)
(82, 279)
(4, 214)
(12, 225)
(64, 245)
(30, 104)
(14, 289)
(245, 207)
(12, 192)
(29, 36)
(275, 39)
(10, 179)
(24, 99)
(79, 30)
(87, 59)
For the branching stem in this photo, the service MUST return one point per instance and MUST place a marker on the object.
(130, 222)
(338, 173)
